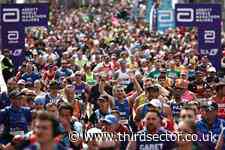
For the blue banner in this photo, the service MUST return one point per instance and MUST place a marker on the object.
(14, 19)
(151, 14)
(165, 17)
(148, 10)
(207, 18)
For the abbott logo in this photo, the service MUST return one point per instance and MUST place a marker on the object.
(209, 36)
(185, 14)
(13, 37)
(165, 16)
(11, 15)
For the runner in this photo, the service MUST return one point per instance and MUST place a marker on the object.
(152, 126)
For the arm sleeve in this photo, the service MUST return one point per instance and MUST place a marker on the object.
(28, 115)
(2, 116)
(223, 130)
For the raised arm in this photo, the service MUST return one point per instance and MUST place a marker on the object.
(103, 92)
(136, 85)
(3, 115)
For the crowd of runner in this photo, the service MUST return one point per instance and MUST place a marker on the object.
(95, 69)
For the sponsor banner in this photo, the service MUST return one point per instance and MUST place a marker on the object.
(27, 14)
(165, 18)
(207, 18)
(14, 39)
(14, 19)
(197, 14)
(209, 43)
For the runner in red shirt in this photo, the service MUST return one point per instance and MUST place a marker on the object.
(219, 98)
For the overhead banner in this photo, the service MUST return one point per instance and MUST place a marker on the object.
(149, 8)
(14, 19)
(151, 14)
(165, 18)
(207, 18)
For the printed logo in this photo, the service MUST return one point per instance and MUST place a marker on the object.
(209, 36)
(13, 37)
(11, 15)
(185, 15)
(165, 16)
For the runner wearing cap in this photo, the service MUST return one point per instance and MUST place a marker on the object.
(104, 109)
(213, 126)
(111, 124)
(153, 103)
(15, 118)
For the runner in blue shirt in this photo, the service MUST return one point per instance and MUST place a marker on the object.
(16, 119)
(211, 125)
(63, 71)
(30, 75)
